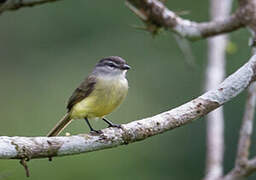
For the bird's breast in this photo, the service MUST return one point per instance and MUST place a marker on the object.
(108, 94)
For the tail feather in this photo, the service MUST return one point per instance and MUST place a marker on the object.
(60, 126)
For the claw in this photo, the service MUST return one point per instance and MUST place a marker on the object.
(96, 132)
(115, 125)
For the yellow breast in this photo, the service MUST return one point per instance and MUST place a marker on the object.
(107, 95)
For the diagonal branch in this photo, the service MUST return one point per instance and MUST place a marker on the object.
(153, 12)
(39, 147)
(6, 5)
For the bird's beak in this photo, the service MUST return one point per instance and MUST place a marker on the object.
(126, 67)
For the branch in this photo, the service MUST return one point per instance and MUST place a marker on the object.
(6, 5)
(247, 15)
(244, 167)
(153, 12)
(247, 127)
(215, 73)
(39, 147)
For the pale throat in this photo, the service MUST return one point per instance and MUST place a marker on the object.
(115, 76)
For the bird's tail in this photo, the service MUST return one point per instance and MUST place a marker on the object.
(60, 126)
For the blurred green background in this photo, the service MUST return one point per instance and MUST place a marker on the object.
(46, 51)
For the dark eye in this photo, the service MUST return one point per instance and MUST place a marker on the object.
(112, 64)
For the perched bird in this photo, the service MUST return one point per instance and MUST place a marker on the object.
(98, 95)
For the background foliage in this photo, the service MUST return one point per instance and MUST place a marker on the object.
(47, 50)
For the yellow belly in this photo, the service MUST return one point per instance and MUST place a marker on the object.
(106, 96)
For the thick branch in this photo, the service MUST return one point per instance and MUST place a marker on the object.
(38, 147)
(16, 4)
(154, 12)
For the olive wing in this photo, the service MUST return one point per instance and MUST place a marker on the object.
(83, 91)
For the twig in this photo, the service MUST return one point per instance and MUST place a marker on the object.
(6, 5)
(24, 164)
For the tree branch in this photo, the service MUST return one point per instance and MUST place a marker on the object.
(244, 167)
(215, 73)
(153, 12)
(39, 147)
(6, 5)
(247, 127)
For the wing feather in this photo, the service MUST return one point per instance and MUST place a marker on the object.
(83, 91)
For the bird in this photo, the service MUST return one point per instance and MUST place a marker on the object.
(99, 94)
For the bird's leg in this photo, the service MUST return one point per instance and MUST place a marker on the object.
(92, 130)
(110, 124)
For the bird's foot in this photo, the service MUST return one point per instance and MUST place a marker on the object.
(110, 124)
(115, 125)
(96, 132)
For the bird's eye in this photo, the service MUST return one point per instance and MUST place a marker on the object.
(112, 65)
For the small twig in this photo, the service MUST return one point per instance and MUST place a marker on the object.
(24, 164)
(6, 5)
